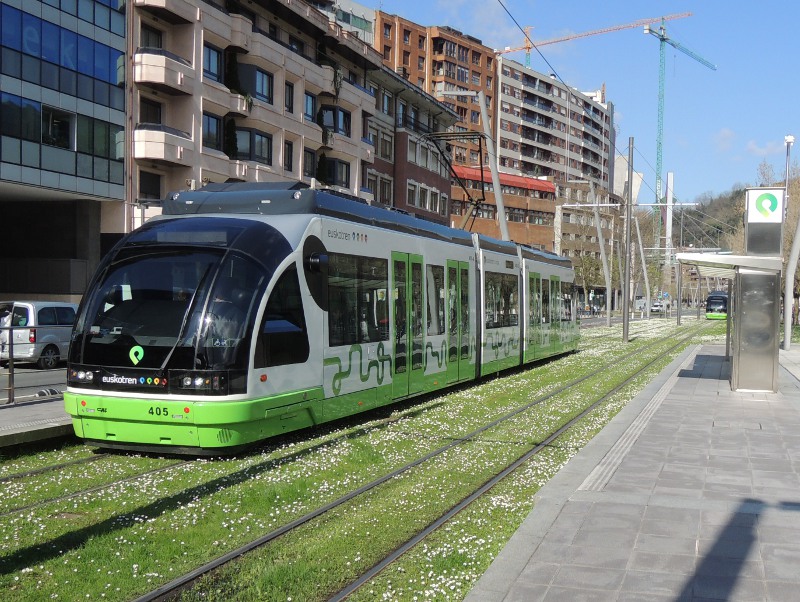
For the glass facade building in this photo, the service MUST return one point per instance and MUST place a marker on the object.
(62, 140)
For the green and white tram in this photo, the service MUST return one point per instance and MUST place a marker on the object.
(250, 310)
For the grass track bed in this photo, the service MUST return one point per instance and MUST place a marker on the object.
(119, 543)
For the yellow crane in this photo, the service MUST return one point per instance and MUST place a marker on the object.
(528, 44)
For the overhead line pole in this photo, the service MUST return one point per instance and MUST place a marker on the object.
(626, 283)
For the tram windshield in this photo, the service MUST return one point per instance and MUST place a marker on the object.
(162, 303)
(717, 303)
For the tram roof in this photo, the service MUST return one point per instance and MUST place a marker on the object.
(296, 198)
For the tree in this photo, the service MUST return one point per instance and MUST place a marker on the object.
(766, 174)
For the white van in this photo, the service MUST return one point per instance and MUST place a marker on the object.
(41, 331)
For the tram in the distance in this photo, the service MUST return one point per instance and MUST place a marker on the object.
(717, 305)
(249, 310)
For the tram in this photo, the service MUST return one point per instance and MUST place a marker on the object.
(245, 311)
(717, 305)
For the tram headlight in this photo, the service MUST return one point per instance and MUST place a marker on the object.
(81, 376)
(202, 382)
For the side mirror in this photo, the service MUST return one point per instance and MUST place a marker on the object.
(316, 262)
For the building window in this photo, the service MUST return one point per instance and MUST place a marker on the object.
(212, 63)
(386, 104)
(387, 53)
(406, 36)
(333, 171)
(387, 31)
(288, 97)
(412, 150)
(336, 120)
(264, 86)
(149, 186)
(386, 191)
(309, 163)
(212, 131)
(372, 184)
(262, 148)
(288, 152)
(411, 195)
(150, 37)
(310, 107)
(296, 45)
(421, 42)
(386, 146)
(422, 199)
(149, 111)
(56, 128)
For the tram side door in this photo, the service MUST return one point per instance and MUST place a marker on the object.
(408, 325)
(458, 322)
(534, 316)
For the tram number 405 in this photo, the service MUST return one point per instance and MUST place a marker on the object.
(158, 411)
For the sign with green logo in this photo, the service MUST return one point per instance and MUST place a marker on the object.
(136, 354)
(765, 205)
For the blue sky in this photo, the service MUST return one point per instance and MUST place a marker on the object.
(718, 125)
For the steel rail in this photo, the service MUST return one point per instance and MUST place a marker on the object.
(169, 590)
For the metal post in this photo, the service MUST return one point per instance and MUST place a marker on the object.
(491, 151)
(644, 268)
(11, 400)
(680, 291)
(626, 283)
(791, 264)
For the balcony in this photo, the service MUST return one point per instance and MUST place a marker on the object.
(175, 12)
(163, 71)
(241, 32)
(320, 80)
(162, 144)
(339, 146)
(216, 98)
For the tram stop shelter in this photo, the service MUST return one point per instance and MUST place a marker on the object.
(754, 301)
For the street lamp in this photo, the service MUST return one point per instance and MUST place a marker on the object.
(791, 265)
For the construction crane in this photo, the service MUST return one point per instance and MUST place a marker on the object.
(661, 34)
(528, 45)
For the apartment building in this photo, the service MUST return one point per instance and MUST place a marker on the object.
(286, 93)
(410, 171)
(62, 120)
(529, 204)
(444, 62)
(246, 91)
(547, 129)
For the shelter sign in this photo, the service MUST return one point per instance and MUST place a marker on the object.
(764, 221)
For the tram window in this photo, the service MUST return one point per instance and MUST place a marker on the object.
(358, 310)
(283, 337)
(501, 299)
(566, 301)
(546, 301)
(434, 292)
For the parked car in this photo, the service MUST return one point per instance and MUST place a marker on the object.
(657, 307)
(41, 331)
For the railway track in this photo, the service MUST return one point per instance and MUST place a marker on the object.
(173, 589)
(257, 467)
